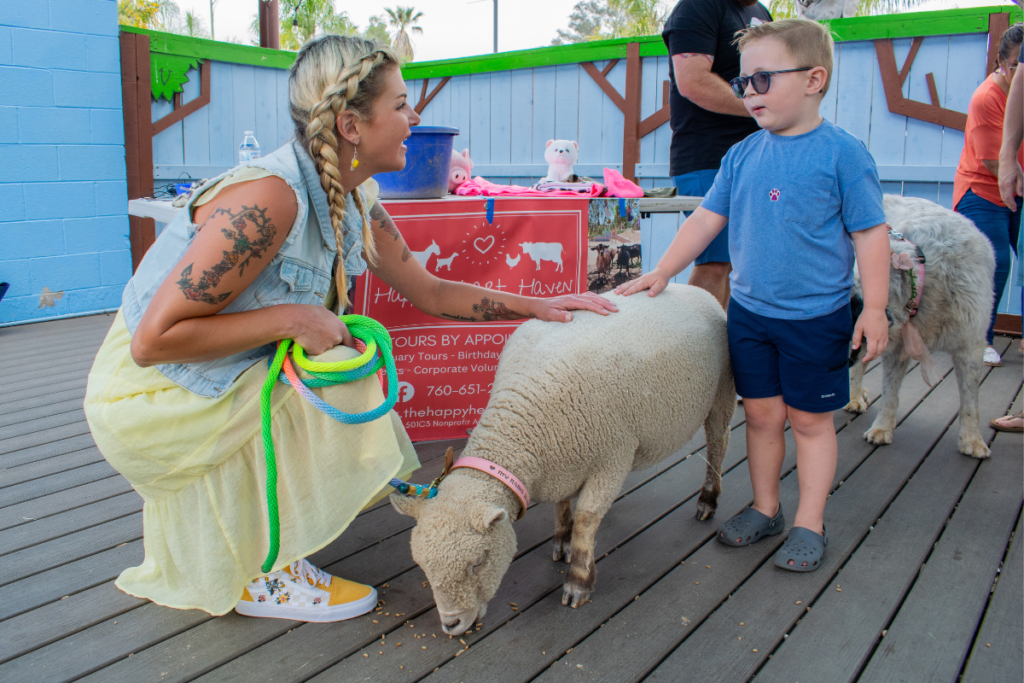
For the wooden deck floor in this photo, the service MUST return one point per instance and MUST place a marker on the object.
(922, 581)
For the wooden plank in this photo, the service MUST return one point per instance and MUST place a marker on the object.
(855, 90)
(998, 654)
(223, 146)
(49, 586)
(963, 76)
(75, 381)
(50, 328)
(27, 562)
(102, 644)
(285, 125)
(930, 637)
(929, 191)
(43, 468)
(167, 144)
(663, 134)
(43, 411)
(501, 118)
(47, 450)
(57, 620)
(61, 501)
(23, 377)
(71, 521)
(590, 126)
(648, 98)
(62, 349)
(196, 126)
(631, 124)
(243, 94)
(888, 132)
(612, 118)
(849, 624)
(265, 105)
(29, 427)
(459, 115)
(567, 103)
(924, 139)
(521, 130)
(44, 437)
(544, 98)
(29, 490)
(480, 118)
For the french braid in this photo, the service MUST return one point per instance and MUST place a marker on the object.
(332, 74)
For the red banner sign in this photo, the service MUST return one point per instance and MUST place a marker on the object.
(532, 247)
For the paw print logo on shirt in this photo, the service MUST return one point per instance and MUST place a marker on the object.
(774, 195)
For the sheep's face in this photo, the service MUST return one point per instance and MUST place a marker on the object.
(465, 547)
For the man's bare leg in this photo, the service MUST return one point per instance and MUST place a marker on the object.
(713, 278)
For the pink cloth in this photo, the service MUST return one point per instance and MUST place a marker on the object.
(913, 347)
(479, 187)
(620, 187)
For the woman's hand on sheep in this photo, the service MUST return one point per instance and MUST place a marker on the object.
(653, 282)
(558, 309)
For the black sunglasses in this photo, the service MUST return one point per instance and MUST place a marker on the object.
(761, 81)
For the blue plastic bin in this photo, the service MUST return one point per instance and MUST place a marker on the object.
(427, 164)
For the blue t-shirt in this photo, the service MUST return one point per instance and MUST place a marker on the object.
(791, 202)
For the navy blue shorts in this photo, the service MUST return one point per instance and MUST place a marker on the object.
(804, 361)
(697, 184)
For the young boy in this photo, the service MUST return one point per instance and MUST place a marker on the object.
(801, 196)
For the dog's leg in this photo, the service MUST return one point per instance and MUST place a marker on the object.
(563, 531)
(969, 368)
(858, 394)
(893, 370)
(716, 430)
(595, 498)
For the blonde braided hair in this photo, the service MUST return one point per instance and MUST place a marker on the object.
(332, 74)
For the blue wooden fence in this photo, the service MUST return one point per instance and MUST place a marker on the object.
(506, 117)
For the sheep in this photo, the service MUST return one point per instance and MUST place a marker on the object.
(574, 408)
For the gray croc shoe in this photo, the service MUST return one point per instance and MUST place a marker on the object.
(802, 546)
(750, 526)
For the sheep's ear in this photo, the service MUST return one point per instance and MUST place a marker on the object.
(486, 516)
(407, 505)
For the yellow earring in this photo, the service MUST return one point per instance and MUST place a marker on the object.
(355, 160)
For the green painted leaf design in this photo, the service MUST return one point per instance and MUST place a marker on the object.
(169, 73)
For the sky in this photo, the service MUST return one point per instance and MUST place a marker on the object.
(459, 28)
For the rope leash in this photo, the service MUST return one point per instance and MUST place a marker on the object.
(376, 355)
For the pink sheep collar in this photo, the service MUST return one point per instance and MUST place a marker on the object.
(480, 464)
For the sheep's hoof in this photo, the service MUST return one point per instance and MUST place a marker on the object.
(974, 446)
(574, 596)
(858, 404)
(879, 436)
(706, 508)
(562, 548)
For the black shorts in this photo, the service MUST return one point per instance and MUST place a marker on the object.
(804, 361)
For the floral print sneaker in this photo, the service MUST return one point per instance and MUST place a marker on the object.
(302, 592)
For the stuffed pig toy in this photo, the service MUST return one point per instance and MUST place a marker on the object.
(560, 155)
(460, 169)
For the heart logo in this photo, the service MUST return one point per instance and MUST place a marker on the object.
(479, 243)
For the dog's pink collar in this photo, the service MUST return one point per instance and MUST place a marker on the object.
(501, 474)
(915, 266)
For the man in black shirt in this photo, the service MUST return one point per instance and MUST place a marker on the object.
(707, 118)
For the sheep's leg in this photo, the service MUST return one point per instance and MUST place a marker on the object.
(969, 368)
(563, 531)
(893, 370)
(716, 431)
(858, 394)
(595, 498)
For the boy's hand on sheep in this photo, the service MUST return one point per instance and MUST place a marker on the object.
(557, 309)
(654, 282)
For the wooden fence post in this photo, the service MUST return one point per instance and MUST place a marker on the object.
(138, 136)
(631, 124)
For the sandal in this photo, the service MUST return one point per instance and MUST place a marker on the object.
(750, 526)
(998, 425)
(804, 547)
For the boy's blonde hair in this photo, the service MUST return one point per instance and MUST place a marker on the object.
(809, 42)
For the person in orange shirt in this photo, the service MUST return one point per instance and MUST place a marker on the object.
(976, 184)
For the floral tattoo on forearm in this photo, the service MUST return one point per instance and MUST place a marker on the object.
(241, 245)
(495, 310)
(382, 220)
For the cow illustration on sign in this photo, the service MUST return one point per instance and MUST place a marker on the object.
(544, 251)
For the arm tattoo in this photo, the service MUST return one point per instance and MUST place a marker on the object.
(456, 317)
(240, 244)
(686, 55)
(383, 221)
(495, 310)
(406, 254)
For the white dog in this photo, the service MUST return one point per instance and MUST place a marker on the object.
(952, 316)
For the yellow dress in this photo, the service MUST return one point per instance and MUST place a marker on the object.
(198, 464)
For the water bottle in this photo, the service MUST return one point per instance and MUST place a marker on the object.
(249, 149)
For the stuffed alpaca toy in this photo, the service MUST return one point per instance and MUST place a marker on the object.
(560, 155)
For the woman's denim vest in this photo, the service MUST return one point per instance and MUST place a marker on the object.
(300, 273)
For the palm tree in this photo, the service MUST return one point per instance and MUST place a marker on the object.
(193, 26)
(402, 18)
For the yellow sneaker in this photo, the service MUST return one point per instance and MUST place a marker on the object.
(302, 592)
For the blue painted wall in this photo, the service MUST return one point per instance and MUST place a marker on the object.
(63, 194)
